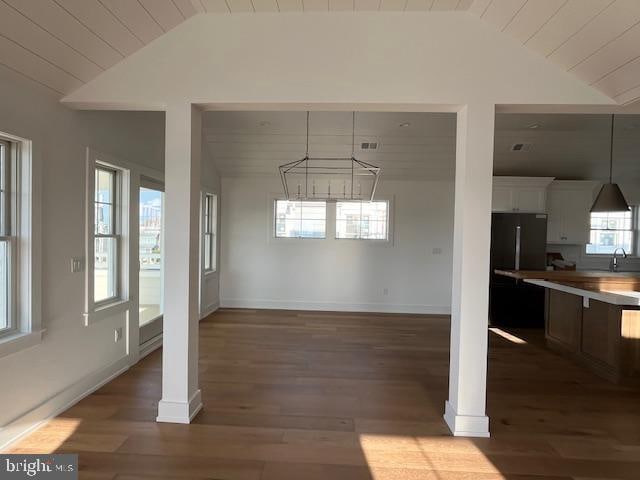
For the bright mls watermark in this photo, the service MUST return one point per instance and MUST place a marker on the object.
(53, 467)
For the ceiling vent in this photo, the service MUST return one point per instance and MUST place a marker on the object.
(369, 146)
(521, 147)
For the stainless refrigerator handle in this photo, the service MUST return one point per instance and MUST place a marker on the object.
(518, 230)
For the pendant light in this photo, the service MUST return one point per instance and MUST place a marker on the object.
(610, 198)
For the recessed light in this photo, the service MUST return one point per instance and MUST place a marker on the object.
(534, 126)
(406, 124)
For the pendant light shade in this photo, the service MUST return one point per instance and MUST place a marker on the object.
(610, 198)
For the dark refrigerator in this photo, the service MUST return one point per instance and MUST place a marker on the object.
(518, 242)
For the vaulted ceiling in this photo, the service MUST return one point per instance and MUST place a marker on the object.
(63, 44)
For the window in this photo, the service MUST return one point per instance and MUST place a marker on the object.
(362, 220)
(106, 236)
(7, 241)
(611, 230)
(300, 219)
(209, 210)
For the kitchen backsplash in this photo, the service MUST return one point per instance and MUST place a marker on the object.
(575, 253)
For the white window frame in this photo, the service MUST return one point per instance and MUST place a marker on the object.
(383, 241)
(273, 206)
(21, 229)
(635, 236)
(209, 227)
(96, 311)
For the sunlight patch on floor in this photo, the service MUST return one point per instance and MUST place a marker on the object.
(507, 336)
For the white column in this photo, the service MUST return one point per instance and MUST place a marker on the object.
(465, 411)
(181, 399)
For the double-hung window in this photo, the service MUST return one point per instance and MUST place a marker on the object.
(106, 235)
(612, 230)
(209, 223)
(362, 220)
(300, 219)
(7, 243)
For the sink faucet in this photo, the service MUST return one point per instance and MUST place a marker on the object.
(613, 264)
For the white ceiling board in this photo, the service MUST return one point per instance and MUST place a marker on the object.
(444, 5)
(34, 67)
(30, 36)
(607, 26)
(290, 5)
(418, 5)
(135, 18)
(464, 5)
(216, 6)
(315, 5)
(500, 13)
(619, 52)
(622, 80)
(393, 5)
(478, 7)
(629, 97)
(563, 146)
(573, 15)
(57, 21)
(341, 5)
(532, 17)
(98, 19)
(164, 12)
(240, 6)
(367, 4)
(265, 5)
(188, 8)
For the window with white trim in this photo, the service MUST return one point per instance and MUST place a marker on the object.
(106, 235)
(362, 220)
(612, 230)
(8, 322)
(300, 219)
(209, 224)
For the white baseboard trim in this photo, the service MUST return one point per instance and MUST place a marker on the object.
(336, 306)
(209, 309)
(179, 412)
(466, 425)
(147, 347)
(60, 402)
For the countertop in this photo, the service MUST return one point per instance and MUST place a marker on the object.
(617, 288)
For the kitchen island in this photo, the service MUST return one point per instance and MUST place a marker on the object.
(593, 317)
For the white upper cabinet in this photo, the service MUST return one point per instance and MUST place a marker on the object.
(520, 194)
(568, 206)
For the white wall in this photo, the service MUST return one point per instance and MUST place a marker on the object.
(329, 274)
(71, 357)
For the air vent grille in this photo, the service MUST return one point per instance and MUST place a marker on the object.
(369, 145)
(521, 147)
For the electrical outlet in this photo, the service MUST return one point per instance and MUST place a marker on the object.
(385, 291)
(77, 264)
(437, 251)
(117, 334)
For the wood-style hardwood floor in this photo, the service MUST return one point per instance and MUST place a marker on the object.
(325, 396)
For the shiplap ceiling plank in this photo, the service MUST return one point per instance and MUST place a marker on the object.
(608, 25)
(315, 5)
(622, 80)
(101, 21)
(365, 5)
(464, 4)
(478, 7)
(21, 60)
(501, 12)
(532, 17)
(59, 23)
(393, 5)
(240, 6)
(574, 15)
(135, 18)
(628, 96)
(290, 5)
(265, 5)
(188, 8)
(444, 5)
(23, 31)
(341, 5)
(418, 5)
(619, 52)
(164, 12)
(216, 6)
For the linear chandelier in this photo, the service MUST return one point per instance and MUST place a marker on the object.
(341, 178)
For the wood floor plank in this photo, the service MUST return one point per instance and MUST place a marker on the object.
(329, 396)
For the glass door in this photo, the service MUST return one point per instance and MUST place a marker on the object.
(151, 272)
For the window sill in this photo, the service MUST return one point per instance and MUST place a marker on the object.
(106, 311)
(19, 341)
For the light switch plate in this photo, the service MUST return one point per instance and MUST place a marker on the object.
(77, 264)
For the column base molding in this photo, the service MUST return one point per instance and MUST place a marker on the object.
(466, 425)
(179, 412)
